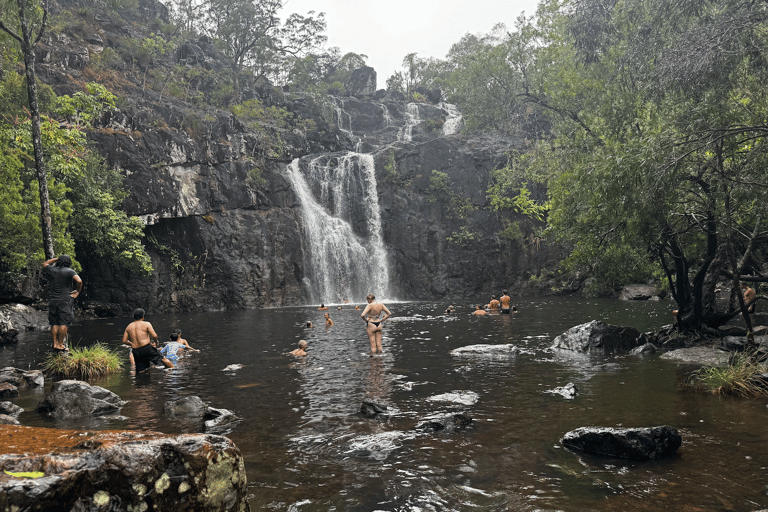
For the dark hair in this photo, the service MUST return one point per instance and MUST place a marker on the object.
(177, 331)
(505, 292)
(64, 261)
(138, 314)
(370, 296)
(309, 324)
(174, 336)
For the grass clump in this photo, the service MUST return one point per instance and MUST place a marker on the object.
(741, 377)
(84, 363)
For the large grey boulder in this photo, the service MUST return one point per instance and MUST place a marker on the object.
(625, 443)
(17, 318)
(596, 336)
(126, 471)
(22, 378)
(10, 409)
(76, 399)
(362, 82)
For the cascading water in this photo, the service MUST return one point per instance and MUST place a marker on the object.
(453, 121)
(411, 119)
(346, 258)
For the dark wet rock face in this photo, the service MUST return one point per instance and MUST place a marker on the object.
(596, 336)
(149, 472)
(17, 318)
(445, 422)
(75, 399)
(625, 443)
(194, 415)
(371, 409)
(644, 349)
(639, 292)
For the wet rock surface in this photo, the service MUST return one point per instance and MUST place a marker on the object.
(596, 336)
(504, 350)
(445, 422)
(568, 391)
(17, 318)
(75, 399)
(698, 356)
(196, 416)
(122, 471)
(371, 409)
(626, 443)
(640, 292)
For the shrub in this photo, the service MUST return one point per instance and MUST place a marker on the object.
(84, 363)
(741, 377)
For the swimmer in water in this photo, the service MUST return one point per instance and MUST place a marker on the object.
(301, 351)
(505, 300)
(479, 311)
(374, 315)
(328, 321)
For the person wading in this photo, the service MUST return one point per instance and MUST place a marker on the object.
(374, 315)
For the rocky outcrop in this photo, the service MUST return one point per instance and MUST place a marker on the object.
(76, 399)
(625, 443)
(362, 82)
(121, 471)
(596, 336)
(698, 356)
(17, 318)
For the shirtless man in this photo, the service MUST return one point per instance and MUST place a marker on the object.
(749, 294)
(479, 311)
(372, 316)
(328, 321)
(301, 351)
(140, 335)
(505, 299)
(494, 304)
(182, 340)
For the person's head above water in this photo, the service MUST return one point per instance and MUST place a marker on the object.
(174, 336)
(138, 314)
(309, 324)
(302, 344)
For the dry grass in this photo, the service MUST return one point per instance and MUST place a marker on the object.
(740, 377)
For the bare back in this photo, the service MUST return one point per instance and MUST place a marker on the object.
(139, 333)
(505, 299)
(373, 312)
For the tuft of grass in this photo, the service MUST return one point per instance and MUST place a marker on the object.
(84, 363)
(741, 377)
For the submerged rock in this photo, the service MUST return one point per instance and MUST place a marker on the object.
(646, 348)
(699, 356)
(486, 350)
(445, 422)
(199, 417)
(10, 409)
(75, 399)
(371, 409)
(568, 391)
(626, 443)
(596, 336)
(125, 471)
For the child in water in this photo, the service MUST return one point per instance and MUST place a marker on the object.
(174, 348)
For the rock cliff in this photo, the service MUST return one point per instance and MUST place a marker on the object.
(222, 240)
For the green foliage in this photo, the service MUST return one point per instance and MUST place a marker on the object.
(85, 196)
(418, 97)
(463, 237)
(84, 363)
(435, 124)
(454, 206)
(391, 173)
(512, 233)
(740, 377)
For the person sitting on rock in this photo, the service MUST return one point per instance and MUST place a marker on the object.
(301, 351)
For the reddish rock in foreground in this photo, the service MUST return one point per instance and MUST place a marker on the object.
(120, 470)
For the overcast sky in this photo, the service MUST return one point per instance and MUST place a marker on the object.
(387, 30)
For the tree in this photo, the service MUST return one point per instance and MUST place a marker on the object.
(28, 12)
(252, 35)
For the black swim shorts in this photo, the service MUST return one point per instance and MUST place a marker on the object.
(60, 312)
(146, 356)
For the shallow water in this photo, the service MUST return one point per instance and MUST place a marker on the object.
(307, 449)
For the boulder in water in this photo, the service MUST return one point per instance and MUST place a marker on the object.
(568, 391)
(8, 390)
(75, 399)
(10, 409)
(445, 422)
(626, 443)
(199, 417)
(596, 336)
(646, 348)
(8, 420)
(371, 409)
(698, 355)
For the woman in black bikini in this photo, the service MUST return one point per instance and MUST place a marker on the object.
(374, 315)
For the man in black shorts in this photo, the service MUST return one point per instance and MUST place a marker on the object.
(139, 335)
(64, 287)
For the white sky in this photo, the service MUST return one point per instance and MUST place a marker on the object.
(387, 30)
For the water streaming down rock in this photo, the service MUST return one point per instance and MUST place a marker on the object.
(345, 256)
(454, 120)
(411, 119)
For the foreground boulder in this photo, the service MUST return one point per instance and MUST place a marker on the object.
(121, 471)
(625, 443)
(77, 399)
(596, 336)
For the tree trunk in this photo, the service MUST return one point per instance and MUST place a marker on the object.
(27, 47)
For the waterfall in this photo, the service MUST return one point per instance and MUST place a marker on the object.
(341, 117)
(453, 121)
(345, 256)
(411, 120)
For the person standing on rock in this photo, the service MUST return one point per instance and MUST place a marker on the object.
(140, 335)
(374, 315)
(64, 287)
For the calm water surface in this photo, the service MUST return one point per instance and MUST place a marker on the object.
(306, 449)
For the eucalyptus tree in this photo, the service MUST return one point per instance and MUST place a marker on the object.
(657, 146)
(252, 35)
(27, 28)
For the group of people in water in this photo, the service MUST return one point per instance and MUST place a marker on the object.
(143, 340)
